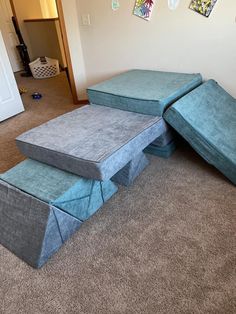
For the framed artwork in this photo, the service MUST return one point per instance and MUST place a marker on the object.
(144, 8)
(203, 7)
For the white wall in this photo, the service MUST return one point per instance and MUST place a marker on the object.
(180, 40)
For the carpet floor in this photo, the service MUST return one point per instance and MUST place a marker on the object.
(164, 245)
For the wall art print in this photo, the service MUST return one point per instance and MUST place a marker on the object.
(115, 4)
(144, 8)
(203, 7)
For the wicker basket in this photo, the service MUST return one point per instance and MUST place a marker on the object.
(44, 68)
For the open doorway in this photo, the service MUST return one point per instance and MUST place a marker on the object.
(41, 25)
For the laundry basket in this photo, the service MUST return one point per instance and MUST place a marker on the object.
(44, 68)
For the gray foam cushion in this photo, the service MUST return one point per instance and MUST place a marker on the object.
(93, 141)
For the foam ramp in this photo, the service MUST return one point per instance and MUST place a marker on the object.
(206, 118)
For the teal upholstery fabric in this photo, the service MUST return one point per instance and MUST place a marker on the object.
(161, 151)
(143, 91)
(75, 195)
(30, 228)
(206, 118)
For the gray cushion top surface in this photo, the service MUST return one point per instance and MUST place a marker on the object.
(91, 133)
(146, 84)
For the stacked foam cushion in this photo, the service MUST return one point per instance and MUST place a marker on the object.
(42, 206)
(93, 141)
(206, 118)
(147, 92)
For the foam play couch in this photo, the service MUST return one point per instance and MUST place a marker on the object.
(75, 161)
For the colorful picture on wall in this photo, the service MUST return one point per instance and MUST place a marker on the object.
(203, 7)
(115, 5)
(144, 8)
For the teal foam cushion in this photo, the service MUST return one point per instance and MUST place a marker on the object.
(75, 195)
(143, 91)
(206, 118)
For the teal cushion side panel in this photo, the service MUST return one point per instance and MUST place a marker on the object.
(149, 107)
(143, 91)
(206, 118)
(85, 198)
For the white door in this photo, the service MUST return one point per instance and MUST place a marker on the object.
(9, 34)
(10, 100)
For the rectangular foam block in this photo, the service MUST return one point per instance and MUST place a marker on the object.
(164, 139)
(30, 228)
(161, 151)
(143, 91)
(206, 118)
(132, 170)
(74, 195)
(94, 141)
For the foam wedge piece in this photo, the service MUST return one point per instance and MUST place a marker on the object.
(30, 228)
(42, 206)
(72, 194)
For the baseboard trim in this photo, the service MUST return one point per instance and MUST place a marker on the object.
(82, 102)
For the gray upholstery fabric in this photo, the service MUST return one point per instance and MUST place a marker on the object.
(164, 139)
(93, 141)
(132, 170)
(30, 228)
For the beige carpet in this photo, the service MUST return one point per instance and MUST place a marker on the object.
(56, 100)
(165, 245)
